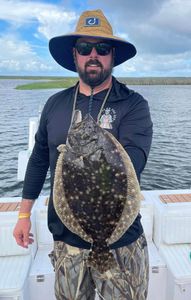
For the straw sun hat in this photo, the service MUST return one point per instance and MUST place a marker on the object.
(91, 24)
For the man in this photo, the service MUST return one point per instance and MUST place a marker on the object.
(92, 50)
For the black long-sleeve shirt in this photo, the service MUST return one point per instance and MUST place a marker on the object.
(131, 125)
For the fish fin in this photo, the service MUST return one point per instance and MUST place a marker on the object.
(102, 261)
(61, 148)
(77, 117)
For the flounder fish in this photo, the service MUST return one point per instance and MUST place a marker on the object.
(96, 193)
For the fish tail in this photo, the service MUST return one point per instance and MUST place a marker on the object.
(101, 261)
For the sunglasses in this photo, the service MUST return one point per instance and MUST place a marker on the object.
(85, 48)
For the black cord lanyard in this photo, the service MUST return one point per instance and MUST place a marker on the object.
(90, 102)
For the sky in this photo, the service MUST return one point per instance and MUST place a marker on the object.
(160, 30)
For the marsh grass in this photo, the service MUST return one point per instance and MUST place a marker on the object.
(51, 82)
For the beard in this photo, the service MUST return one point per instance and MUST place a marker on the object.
(96, 77)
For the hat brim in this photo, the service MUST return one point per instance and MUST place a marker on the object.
(60, 48)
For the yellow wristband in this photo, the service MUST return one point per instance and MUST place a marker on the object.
(24, 215)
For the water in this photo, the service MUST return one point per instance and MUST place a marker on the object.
(169, 163)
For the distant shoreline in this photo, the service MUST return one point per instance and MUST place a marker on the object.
(49, 82)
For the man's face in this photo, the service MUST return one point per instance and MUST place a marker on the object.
(93, 68)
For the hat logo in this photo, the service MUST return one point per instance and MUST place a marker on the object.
(92, 21)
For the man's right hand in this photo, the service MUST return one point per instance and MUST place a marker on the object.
(22, 233)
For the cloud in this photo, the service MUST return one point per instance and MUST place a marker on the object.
(158, 65)
(44, 21)
(50, 19)
(175, 17)
(18, 55)
(55, 23)
(167, 30)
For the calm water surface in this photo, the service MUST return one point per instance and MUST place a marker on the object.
(169, 163)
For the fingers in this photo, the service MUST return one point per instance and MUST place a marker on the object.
(19, 239)
(23, 237)
(31, 240)
(24, 240)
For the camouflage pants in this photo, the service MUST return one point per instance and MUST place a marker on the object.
(75, 281)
